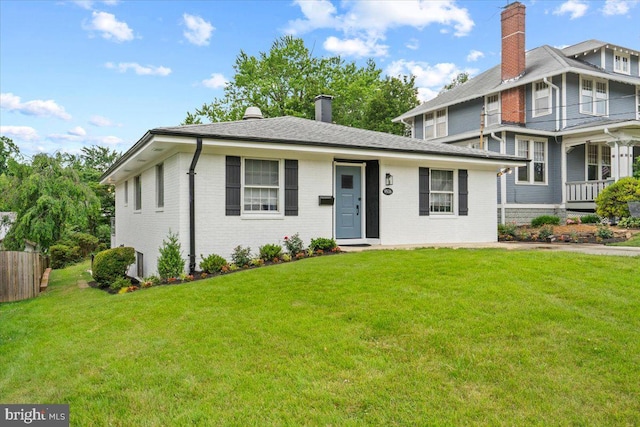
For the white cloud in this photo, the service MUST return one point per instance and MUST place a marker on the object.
(100, 121)
(429, 78)
(365, 23)
(23, 133)
(110, 27)
(77, 131)
(413, 44)
(618, 7)
(355, 47)
(149, 70)
(111, 140)
(198, 30)
(217, 81)
(88, 4)
(576, 8)
(37, 107)
(474, 55)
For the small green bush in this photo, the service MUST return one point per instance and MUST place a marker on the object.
(241, 256)
(544, 220)
(590, 219)
(170, 262)
(294, 244)
(545, 232)
(212, 264)
(629, 222)
(112, 264)
(509, 229)
(63, 255)
(270, 251)
(612, 201)
(322, 244)
(119, 283)
(604, 232)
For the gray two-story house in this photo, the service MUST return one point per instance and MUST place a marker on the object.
(573, 112)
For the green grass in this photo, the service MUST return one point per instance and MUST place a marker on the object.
(633, 241)
(424, 337)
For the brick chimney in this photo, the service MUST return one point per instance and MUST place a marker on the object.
(513, 62)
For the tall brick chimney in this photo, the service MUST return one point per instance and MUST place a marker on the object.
(513, 62)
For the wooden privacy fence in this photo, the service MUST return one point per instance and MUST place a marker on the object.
(20, 274)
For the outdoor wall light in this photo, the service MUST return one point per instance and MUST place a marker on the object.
(505, 170)
(388, 179)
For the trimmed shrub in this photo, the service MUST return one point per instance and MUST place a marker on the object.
(545, 220)
(112, 264)
(590, 219)
(86, 242)
(63, 255)
(241, 256)
(170, 261)
(270, 251)
(508, 229)
(119, 283)
(612, 201)
(212, 264)
(322, 244)
(604, 232)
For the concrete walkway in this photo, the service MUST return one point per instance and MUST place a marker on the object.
(584, 248)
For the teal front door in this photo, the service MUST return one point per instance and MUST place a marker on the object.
(348, 202)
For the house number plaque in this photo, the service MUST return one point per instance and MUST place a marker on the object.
(387, 191)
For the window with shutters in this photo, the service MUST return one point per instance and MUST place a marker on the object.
(441, 191)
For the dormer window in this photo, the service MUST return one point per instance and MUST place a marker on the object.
(621, 63)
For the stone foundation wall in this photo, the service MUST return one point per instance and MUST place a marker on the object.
(523, 216)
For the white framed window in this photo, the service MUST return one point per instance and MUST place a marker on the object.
(137, 193)
(536, 151)
(126, 193)
(638, 102)
(492, 109)
(261, 186)
(598, 162)
(594, 96)
(621, 63)
(441, 193)
(435, 124)
(160, 185)
(541, 99)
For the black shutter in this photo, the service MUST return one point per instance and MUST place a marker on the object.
(232, 197)
(423, 188)
(372, 191)
(463, 192)
(291, 188)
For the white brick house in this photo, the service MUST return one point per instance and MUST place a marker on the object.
(252, 182)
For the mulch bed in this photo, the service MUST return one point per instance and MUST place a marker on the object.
(575, 233)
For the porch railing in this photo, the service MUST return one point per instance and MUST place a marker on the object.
(585, 191)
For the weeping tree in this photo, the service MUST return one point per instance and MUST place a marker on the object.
(49, 200)
(286, 79)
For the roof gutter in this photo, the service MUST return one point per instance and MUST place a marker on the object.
(192, 206)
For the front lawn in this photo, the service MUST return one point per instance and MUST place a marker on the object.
(423, 337)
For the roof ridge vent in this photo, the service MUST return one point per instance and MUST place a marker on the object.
(252, 113)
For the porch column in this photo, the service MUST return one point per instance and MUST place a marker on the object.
(563, 171)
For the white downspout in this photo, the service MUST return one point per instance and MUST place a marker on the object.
(557, 89)
(503, 181)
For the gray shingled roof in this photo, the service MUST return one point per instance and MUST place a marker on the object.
(589, 46)
(544, 61)
(295, 130)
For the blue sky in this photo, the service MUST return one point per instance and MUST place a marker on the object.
(77, 73)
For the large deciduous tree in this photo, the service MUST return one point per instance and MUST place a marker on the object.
(285, 81)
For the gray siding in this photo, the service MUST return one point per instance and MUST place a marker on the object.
(549, 193)
(575, 164)
(465, 117)
(594, 58)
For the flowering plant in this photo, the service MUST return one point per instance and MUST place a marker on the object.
(293, 244)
